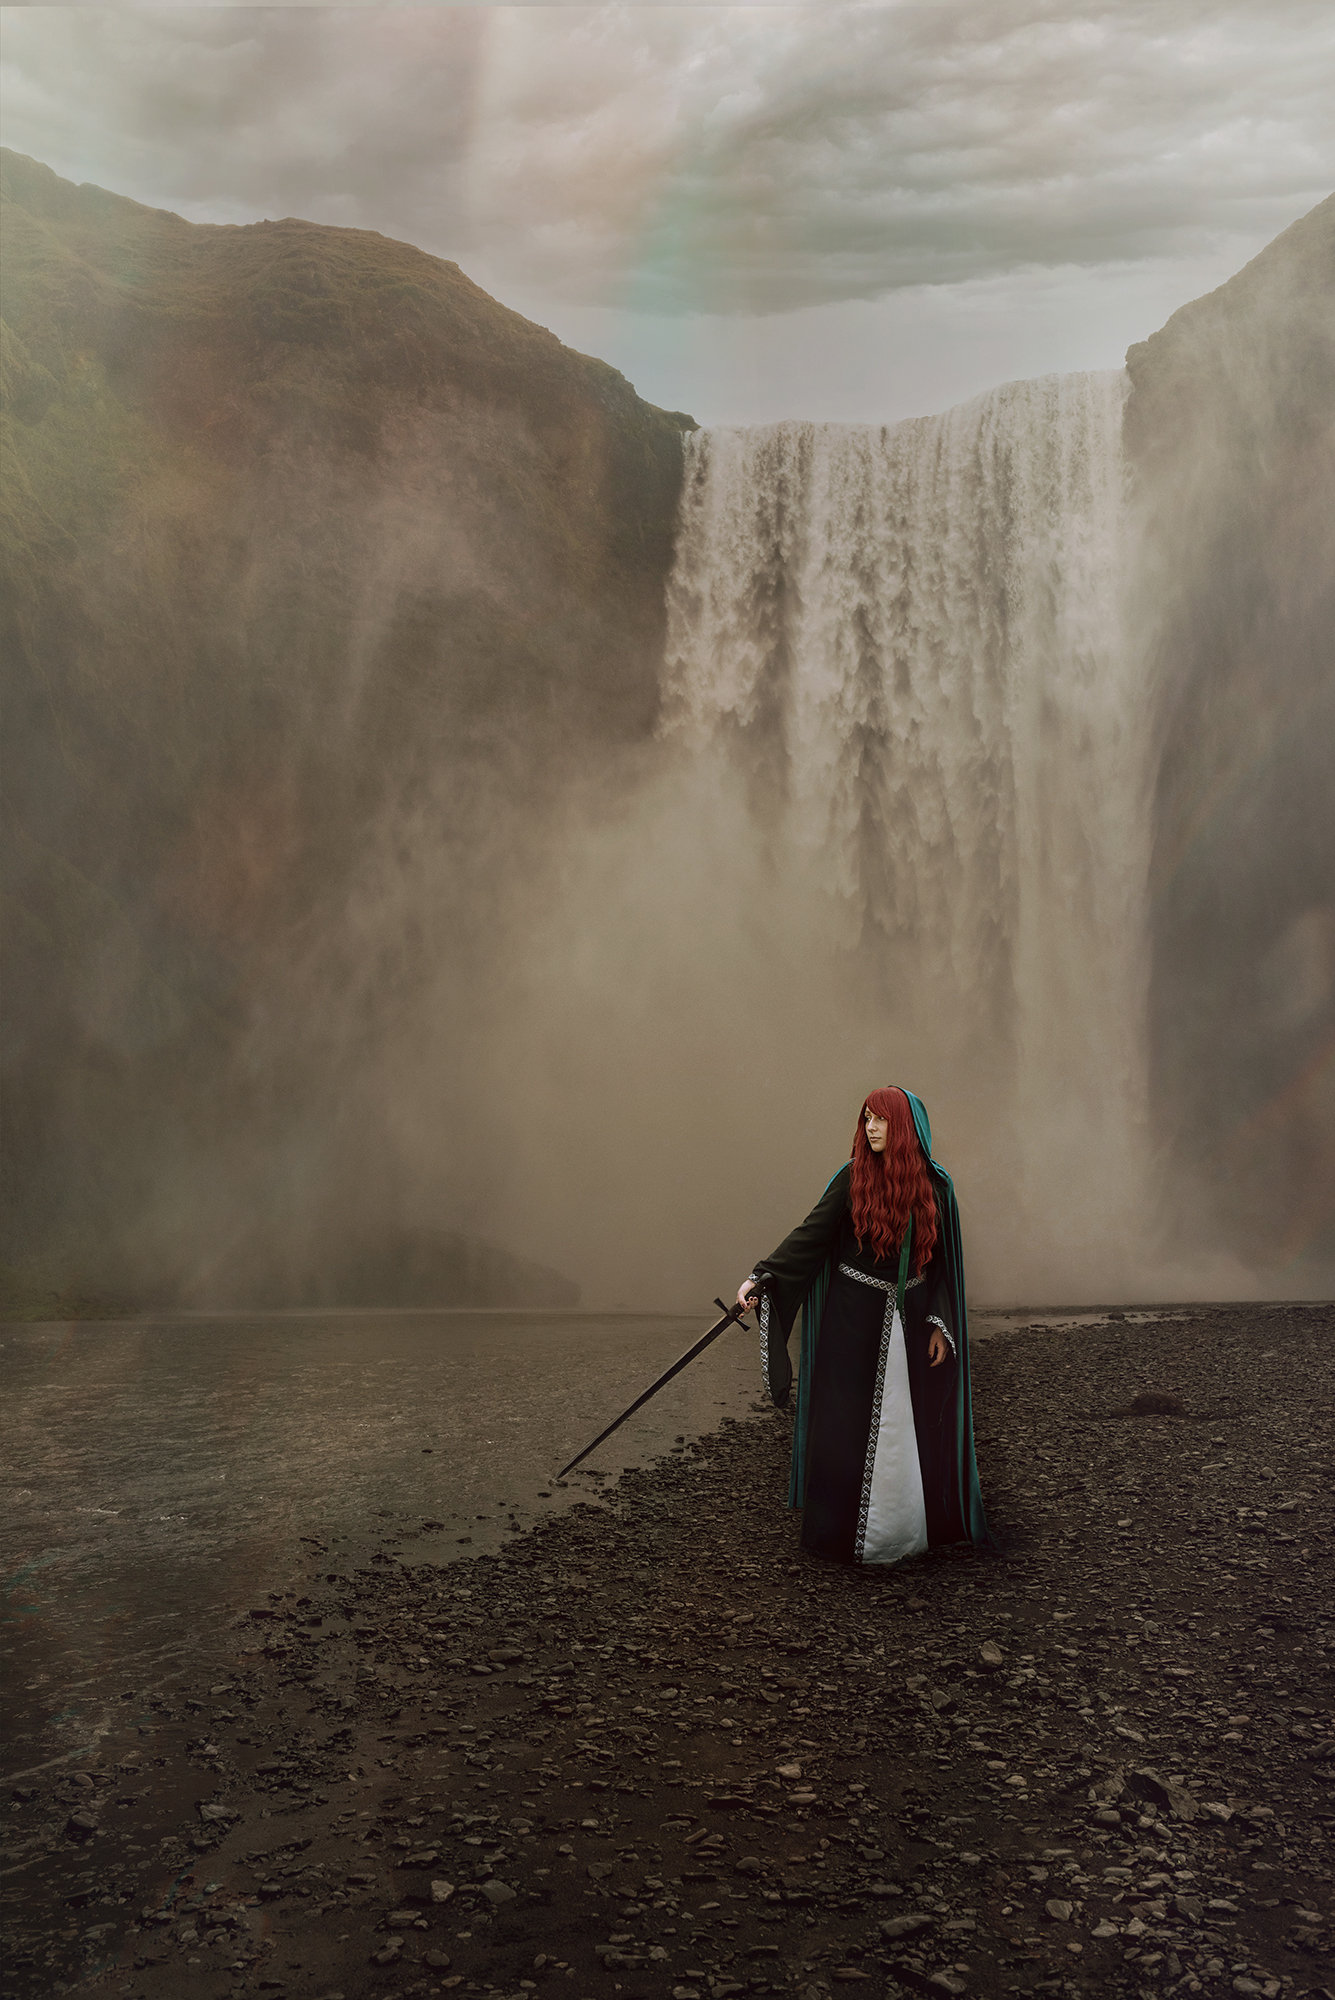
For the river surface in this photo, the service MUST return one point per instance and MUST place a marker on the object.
(158, 1476)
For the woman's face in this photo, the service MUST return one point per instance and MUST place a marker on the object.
(876, 1130)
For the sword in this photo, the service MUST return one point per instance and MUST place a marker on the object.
(731, 1315)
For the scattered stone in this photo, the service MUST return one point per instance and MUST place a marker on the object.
(991, 1654)
(813, 1679)
(908, 1926)
(1169, 1797)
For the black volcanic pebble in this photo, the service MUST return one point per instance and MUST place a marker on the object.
(699, 1759)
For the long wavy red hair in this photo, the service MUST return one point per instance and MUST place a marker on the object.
(886, 1191)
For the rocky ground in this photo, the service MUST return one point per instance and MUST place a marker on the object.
(653, 1751)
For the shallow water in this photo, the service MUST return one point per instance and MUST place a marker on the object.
(157, 1477)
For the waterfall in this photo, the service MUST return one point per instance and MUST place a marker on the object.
(909, 645)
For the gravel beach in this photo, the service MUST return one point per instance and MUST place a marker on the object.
(651, 1750)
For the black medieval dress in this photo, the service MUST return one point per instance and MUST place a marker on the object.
(883, 1455)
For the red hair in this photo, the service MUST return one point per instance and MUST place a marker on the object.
(886, 1191)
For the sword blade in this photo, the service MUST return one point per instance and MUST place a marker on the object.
(731, 1316)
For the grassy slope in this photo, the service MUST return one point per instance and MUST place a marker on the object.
(295, 519)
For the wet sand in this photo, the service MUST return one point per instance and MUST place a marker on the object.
(649, 1749)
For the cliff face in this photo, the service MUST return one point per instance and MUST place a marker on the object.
(333, 590)
(1231, 432)
(307, 543)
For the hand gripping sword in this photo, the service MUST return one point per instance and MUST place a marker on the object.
(731, 1315)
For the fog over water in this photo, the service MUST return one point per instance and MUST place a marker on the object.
(896, 827)
(447, 794)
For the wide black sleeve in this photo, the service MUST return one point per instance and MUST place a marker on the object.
(939, 1310)
(791, 1268)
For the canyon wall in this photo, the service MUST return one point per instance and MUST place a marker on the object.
(1230, 432)
(448, 804)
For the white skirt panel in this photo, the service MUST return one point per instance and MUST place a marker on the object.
(892, 1520)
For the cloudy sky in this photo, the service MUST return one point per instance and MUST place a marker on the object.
(847, 212)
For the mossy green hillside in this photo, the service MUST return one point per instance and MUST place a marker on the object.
(306, 540)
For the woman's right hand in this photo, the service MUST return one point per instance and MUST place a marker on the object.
(747, 1295)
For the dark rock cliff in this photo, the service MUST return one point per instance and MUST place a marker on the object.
(1230, 428)
(305, 538)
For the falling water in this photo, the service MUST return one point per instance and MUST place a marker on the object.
(909, 640)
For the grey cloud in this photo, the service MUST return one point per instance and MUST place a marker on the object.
(719, 160)
(232, 113)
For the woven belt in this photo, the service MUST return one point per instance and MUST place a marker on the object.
(881, 1284)
(884, 1285)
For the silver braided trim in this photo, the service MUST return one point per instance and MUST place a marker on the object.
(763, 1317)
(946, 1335)
(878, 1393)
(881, 1284)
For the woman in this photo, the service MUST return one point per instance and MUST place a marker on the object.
(883, 1459)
